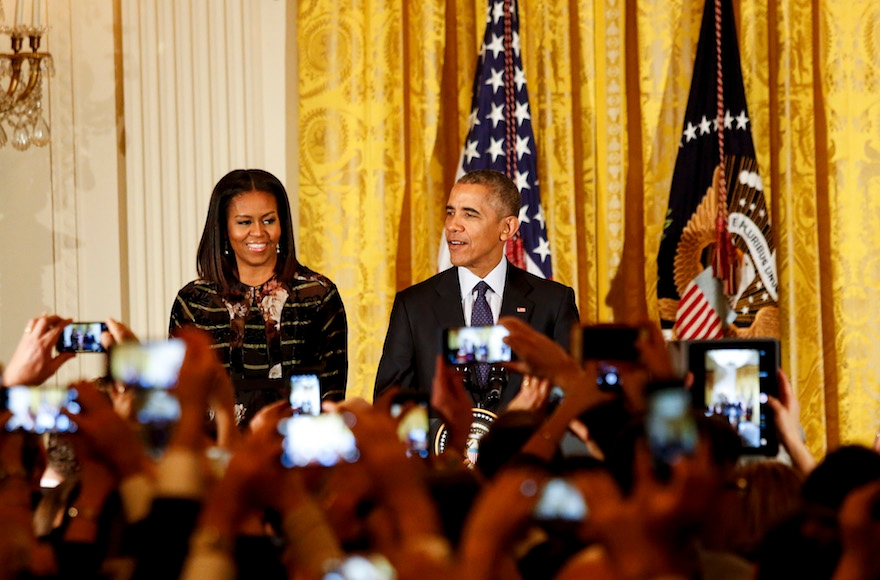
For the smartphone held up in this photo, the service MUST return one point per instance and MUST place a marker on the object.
(81, 337)
(670, 425)
(317, 440)
(476, 344)
(149, 371)
(410, 408)
(305, 394)
(733, 380)
(45, 409)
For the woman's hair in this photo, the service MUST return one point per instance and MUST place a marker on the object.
(215, 260)
(758, 496)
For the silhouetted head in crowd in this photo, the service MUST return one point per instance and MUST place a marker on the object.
(453, 493)
(505, 439)
(758, 496)
(220, 249)
(724, 443)
(807, 545)
(841, 471)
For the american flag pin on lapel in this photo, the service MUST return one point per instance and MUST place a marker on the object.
(520, 308)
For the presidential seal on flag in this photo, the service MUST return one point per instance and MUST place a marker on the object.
(716, 266)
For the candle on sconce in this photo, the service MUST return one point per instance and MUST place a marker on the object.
(19, 12)
(37, 6)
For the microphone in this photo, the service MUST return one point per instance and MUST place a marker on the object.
(498, 379)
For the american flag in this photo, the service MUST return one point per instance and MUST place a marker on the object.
(500, 136)
(717, 130)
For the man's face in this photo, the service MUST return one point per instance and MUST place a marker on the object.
(475, 233)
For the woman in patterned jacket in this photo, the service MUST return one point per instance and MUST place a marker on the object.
(270, 316)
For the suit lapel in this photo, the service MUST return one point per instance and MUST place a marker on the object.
(516, 300)
(447, 307)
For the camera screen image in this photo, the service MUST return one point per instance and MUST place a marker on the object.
(733, 391)
(305, 394)
(560, 500)
(470, 344)
(608, 377)
(156, 406)
(153, 365)
(317, 440)
(81, 337)
(356, 567)
(669, 425)
(413, 430)
(38, 409)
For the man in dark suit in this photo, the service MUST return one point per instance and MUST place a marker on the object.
(481, 215)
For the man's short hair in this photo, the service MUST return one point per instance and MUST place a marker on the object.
(505, 196)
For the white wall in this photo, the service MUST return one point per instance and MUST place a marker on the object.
(105, 220)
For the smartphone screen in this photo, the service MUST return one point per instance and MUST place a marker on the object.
(411, 408)
(151, 369)
(317, 440)
(476, 344)
(355, 567)
(39, 409)
(736, 383)
(305, 394)
(560, 501)
(150, 365)
(81, 337)
(670, 427)
(608, 377)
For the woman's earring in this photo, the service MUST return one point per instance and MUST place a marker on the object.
(277, 248)
(226, 249)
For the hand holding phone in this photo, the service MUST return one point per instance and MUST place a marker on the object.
(81, 337)
(150, 370)
(733, 379)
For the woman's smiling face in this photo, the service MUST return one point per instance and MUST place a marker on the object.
(254, 232)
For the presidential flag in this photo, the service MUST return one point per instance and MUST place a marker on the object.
(716, 266)
(500, 136)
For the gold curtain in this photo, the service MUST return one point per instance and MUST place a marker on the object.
(384, 91)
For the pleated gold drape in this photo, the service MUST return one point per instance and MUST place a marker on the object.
(384, 93)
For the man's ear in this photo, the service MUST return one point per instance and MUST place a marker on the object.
(510, 227)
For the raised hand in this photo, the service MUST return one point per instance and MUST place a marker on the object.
(32, 363)
(452, 402)
(787, 413)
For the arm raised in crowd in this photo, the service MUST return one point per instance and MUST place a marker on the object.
(649, 533)
(495, 522)
(182, 473)
(255, 479)
(787, 414)
(541, 358)
(451, 401)
(413, 540)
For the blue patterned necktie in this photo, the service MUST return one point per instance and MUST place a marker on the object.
(481, 315)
